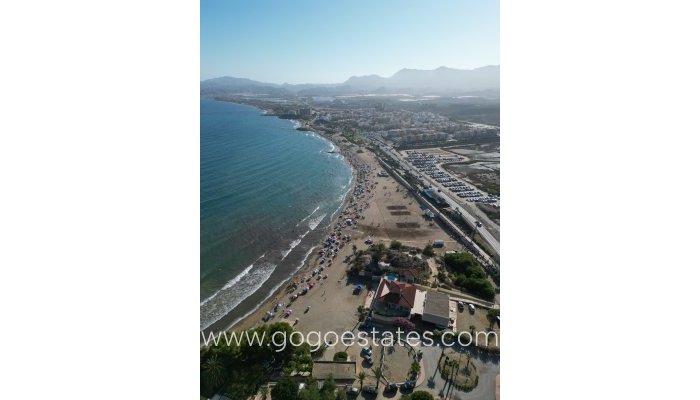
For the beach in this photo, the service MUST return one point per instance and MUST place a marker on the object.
(371, 206)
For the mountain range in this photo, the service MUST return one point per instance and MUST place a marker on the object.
(441, 80)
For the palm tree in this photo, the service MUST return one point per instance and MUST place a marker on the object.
(264, 391)
(362, 376)
(213, 370)
(491, 316)
(448, 364)
(378, 375)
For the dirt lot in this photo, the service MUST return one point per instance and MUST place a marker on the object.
(397, 363)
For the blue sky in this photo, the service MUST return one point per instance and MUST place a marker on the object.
(300, 41)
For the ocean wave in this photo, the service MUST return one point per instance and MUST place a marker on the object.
(228, 299)
(274, 289)
(232, 282)
(307, 217)
(314, 222)
(292, 245)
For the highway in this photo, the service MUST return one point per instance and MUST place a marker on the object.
(449, 198)
(463, 237)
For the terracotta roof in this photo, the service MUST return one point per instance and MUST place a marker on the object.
(399, 293)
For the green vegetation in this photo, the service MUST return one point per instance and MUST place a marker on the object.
(348, 133)
(300, 360)
(286, 389)
(480, 287)
(428, 250)
(327, 391)
(377, 251)
(460, 371)
(340, 356)
(420, 395)
(362, 376)
(469, 276)
(220, 363)
(415, 368)
(462, 262)
(395, 245)
(491, 316)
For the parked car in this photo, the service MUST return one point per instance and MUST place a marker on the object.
(391, 387)
(367, 350)
(369, 389)
(472, 308)
(353, 391)
(409, 385)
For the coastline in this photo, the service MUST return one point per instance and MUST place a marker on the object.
(380, 209)
(252, 317)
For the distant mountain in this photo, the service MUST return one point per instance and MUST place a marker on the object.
(441, 80)
(230, 85)
(367, 81)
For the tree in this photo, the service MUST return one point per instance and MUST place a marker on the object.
(310, 392)
(378, 375)
(463, 262)
(491, 316)
(286, 389)
(428, 250)
(213, 372)
(362, 376)
(328, 389)
(395, 245)
(420, 395)
(377, 251)
(478, 285)
(340, 395)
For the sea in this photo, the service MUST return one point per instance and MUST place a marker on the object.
(268, 194)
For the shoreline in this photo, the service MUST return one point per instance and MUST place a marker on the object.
(279, 290)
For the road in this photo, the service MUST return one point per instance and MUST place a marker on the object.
(449, 198)
(488, 368)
